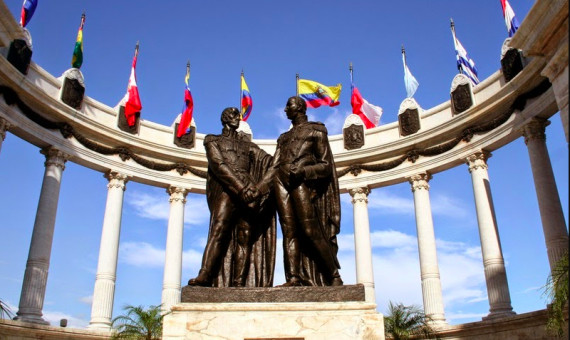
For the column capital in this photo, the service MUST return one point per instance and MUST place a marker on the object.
(54, 157)
(478, 160)
(177, 194)
(359, 194)
(4, 126)
(535, 129)
(116, 179)
(420, 181)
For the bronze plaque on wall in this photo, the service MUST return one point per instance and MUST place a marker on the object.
(461, 98)
(72, 93)
(409, 122)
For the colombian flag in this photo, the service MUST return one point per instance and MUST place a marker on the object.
(28, 9)
(246, 101)
(186, 119)
(77, 58)
(316, 94)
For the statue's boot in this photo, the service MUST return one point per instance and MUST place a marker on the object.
(323, 247)
(291, 252)
(203, 279)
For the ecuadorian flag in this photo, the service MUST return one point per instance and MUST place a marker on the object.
(77, 58)
(316, 94)
(246, 101)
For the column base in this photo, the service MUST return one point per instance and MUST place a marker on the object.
(99, 326)
(498, 314)
(37, 319)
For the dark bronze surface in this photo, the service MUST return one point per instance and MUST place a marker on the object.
(124, 126)
(409, 122)
(512, 64)
(20, 55)
(72, 93)
(240, 250)
(187, 140)
(194, 294)
(353, 137)
(461, 98)
(304, 180)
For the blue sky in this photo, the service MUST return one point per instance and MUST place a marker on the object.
(272, 41)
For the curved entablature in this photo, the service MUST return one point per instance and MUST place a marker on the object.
(31, 104)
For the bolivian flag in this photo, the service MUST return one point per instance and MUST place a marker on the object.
(77, 58)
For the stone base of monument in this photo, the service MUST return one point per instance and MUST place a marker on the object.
(286, 313)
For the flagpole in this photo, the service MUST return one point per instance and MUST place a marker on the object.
(240, 95)
(297, 83)
(452, 24)
(187, 72)
(351, 77)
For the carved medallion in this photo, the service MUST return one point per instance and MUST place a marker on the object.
(20, 55)
(187, 140)
(124, 126)
(72, 93)
(461, 98)
(511, 63)
(409, 122)
(353, 136)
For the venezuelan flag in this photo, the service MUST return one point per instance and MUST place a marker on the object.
(246, 101)
(77, 58)
(186, 119)
(28, 9)
(316, 94)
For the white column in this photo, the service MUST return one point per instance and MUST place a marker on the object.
(35, 276)
(431, 285)
(4, 126)
(362, 244)
(173, 257)
(104, 291)
(493, 262)
(553, 222)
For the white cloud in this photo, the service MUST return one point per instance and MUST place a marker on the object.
(157, 207)
(444, 205)
(335, 121)
(142, 254)
(86, 299)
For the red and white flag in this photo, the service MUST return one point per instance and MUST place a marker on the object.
(132, 99)
(370, 114)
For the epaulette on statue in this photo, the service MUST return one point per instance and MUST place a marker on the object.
(318, 126)
(211, 138)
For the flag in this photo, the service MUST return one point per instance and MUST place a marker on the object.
(28, 9)
(77, 58)
(409, 80)
(316, 94)
(465, 64)
(132, 99)
(186, 119)
(246, 101)
(510, 20)
(370, 114)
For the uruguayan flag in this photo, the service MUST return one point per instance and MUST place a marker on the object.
(465, 64)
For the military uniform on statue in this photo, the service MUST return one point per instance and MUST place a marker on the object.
(240, 251)
(304, 179)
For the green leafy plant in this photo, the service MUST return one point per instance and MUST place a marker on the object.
(139, 323)
(556, 289)
(5, 311)
(402, 322)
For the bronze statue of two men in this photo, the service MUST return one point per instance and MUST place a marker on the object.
(244, 187)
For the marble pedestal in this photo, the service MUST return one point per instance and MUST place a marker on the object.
(273, 317)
